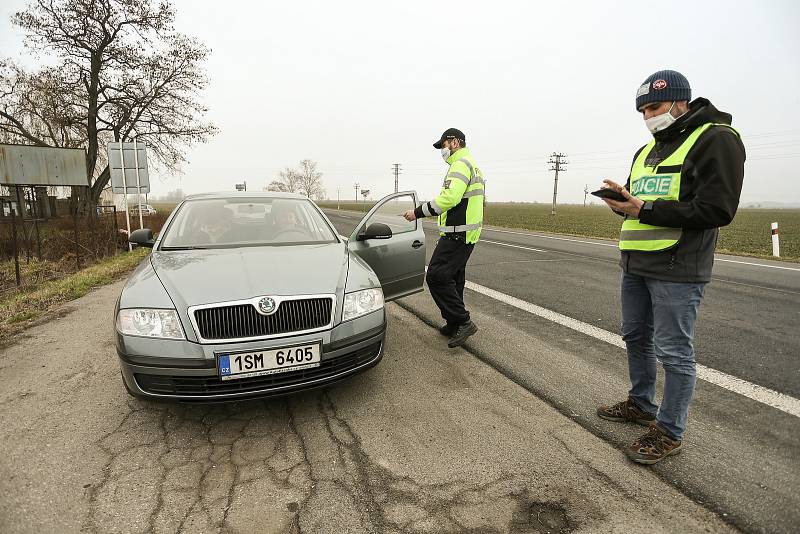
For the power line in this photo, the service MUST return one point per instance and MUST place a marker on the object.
(557, 166)
(396, 170)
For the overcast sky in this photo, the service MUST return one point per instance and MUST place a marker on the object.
(358, 86)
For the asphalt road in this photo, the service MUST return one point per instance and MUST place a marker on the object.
(742, 457)
(498, 436)
(749, 319)
(432, 440)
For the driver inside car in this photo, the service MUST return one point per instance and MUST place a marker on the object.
(285, 219)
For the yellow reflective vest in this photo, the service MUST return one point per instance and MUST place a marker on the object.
(661, 182)
(459, 204)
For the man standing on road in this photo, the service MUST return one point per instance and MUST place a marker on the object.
(682, 187)
(459, 207)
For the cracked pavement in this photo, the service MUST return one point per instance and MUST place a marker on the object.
(431, 440)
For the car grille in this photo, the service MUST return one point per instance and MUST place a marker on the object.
(243, 321)
(212, 385)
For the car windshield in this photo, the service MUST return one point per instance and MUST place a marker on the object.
(239, 222)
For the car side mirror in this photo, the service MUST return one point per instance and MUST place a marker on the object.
(142, 237)
(375, 231)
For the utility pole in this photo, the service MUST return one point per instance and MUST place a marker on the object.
(396, 169)
(556, 160)
(356, 187)
(337, 198)
(585, 193)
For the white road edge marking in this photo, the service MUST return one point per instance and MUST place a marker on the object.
(615, 246)
(759, 264)
(550, 237)
(775, 399)
(487, 229)
(514, 246)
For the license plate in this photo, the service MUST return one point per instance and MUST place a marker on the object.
(268, 362)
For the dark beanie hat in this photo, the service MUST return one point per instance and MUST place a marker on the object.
(663, 86)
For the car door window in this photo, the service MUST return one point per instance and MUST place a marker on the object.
(391, 213)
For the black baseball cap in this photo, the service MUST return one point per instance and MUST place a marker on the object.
(450, 133)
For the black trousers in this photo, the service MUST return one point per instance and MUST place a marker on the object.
(446, 277)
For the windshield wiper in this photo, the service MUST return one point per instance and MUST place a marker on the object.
(194, 247)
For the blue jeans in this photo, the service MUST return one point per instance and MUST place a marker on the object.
(658, 320)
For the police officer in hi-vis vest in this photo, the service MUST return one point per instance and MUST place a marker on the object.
(683, 186)
(459, 208)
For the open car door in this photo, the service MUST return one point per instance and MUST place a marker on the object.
(391, 245)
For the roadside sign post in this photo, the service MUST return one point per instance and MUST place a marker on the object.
(138, 185)
(125, 188)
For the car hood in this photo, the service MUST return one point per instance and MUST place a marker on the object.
(193, 277)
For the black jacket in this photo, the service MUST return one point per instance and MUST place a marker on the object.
(711, 182)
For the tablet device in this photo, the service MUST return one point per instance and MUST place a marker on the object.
(610, 194)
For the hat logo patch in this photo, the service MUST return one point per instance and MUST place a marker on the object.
(660, 84)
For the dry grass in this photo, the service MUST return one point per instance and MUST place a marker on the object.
(19, 309)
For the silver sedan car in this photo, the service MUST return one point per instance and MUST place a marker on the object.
(255, 294)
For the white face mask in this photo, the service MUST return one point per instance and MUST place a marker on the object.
(445, 153)
(660, 122)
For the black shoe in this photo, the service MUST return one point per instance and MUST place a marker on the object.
(461, 335)
(448, 330)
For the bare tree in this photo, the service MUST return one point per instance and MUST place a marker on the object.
(305, 180)
(287, 182)
(121, 71)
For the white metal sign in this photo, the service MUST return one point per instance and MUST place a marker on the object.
(133, 158)
(36, 165)
(127, 163)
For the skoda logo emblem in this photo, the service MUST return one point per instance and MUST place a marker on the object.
(267, 305)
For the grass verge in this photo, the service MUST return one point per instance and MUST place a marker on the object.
(18, 310)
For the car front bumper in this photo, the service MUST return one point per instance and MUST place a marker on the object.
(186, 371)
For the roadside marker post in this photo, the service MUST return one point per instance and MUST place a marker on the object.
(776, 245)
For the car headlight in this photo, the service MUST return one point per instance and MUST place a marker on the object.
(150, 323)
(361, 303)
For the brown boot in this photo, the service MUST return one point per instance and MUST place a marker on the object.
(653, 446)
(625, 412)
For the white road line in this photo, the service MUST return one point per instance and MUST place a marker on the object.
(765, 288)
(614, 245)
(716, 258)
(758, 264)
(767, 396)
(551, 237)
(514, 246)
(715, 279)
